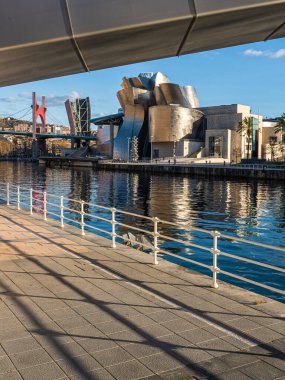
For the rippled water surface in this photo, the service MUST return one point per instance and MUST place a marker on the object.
(250, 209)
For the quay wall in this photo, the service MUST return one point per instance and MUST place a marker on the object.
(200, 170)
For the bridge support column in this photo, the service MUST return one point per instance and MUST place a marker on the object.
(35, 149)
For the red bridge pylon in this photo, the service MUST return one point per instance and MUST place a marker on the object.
(38, 112)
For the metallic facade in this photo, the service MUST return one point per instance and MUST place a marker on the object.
(155, 110)
(169, 123)
(132, 127)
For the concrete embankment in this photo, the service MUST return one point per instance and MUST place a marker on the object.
(228, 171)
(64, 162)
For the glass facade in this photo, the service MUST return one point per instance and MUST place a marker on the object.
(216, 146)
(254, 126)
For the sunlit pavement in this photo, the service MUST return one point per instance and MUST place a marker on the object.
(119, 316)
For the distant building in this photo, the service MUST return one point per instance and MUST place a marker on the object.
(168, 122)
(78, 113)
(222, 138)
(273, 144)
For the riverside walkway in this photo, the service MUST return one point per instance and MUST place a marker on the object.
(71, 307)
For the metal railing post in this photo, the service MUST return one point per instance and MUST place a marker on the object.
(31, 201)
(82, 218)
(155, 238)
(18, 198)
(45, 205)
(61, 212)
(8, 194)
(215, 252)
(113, 227)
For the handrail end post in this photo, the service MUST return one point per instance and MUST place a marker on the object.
(82, 219)
(8, 194)
(155, 240)
(113, 227)
(61, 212)
(45, 206)
(18, 198)
(215, 253)
(31, 201)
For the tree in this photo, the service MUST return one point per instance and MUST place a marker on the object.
(245, 127)
(272, 147)
(135, 149)
(282, 149)
(280, 128)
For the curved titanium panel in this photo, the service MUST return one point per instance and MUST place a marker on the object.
(121, 95)
(159, 78)
(131, 127)
(190, 94)
(173, 95)
(169, 123)
(136, 82)
(159, 98)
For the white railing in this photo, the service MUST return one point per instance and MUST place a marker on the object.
(45, 203)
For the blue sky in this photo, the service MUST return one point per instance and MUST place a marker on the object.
(249, 74)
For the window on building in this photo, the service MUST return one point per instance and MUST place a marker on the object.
(216, 146)
(272, 140)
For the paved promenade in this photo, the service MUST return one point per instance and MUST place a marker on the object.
(73, 308)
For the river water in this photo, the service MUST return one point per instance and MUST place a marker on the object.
(249, 209)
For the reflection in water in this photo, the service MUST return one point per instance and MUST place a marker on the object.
(246, 208)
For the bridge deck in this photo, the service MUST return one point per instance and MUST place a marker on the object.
(72, 307)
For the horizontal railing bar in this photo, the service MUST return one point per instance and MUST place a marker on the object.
(186, 228)
(185, 242)
(36, 199)
(185, 259)
(98, 229)
(136, 215)
(53, 195)
(252, 242)
(13, 192)
(135, 228)
(252, 282)
(24, 203)
(252, 261)
(95, 205)
(72, 220)
(21, 187)
(52, 213)
(72, 210)
(98, 217)
(73, 200)
(24, 196)
(53, 204)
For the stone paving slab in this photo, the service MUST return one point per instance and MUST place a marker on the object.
(73, 308)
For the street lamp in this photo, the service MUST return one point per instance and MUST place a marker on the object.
(174, 147)
(151, 137)
(128, 138)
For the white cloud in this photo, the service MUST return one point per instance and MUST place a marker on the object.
(98, 114)
(279, 54)
(52, 99)
(25, 95)
(254, 53)
(9, 99)
(74, 95)
(265, 53)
